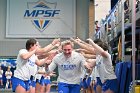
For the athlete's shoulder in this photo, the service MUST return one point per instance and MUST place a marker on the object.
(77, 55)
(22, 51)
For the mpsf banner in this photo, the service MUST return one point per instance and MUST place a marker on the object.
(41, 18)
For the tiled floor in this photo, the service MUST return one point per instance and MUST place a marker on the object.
(10, 91)
(3, 90)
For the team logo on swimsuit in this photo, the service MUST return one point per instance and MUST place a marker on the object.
(41, 13)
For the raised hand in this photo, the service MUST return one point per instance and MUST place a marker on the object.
(75, 40)
(56, 41)
(78, 39)
(58, 44)
(90, 40)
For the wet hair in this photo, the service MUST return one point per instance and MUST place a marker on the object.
(102, 44)
(98, 42)
(67, 42)
(30, 43)
(105, 46)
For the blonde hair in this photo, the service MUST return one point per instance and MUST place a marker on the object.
(9, 67)
(67, 42)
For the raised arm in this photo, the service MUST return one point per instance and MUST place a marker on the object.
(83, 50)
(27, 55)
(84, 45)
(98, 48)
(48, 47)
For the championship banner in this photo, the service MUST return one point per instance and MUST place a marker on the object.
(41, 18)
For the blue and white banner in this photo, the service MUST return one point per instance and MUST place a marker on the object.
(41, 18)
